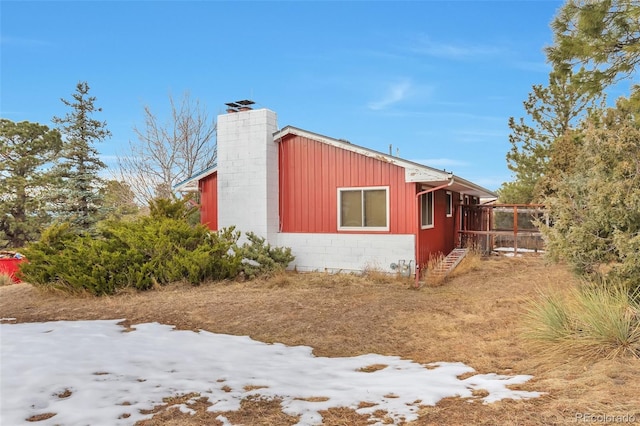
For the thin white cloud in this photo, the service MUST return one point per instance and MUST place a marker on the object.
(480, 136)
(5, 114)
(456, 115)
(441, 162)
(481, 133)
(394, 94)
(22, 42)
(490, 182)
(532, 66)
(109, 158)
(426, 46)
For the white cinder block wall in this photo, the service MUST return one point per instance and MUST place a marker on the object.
(248, 172)
(347, 252)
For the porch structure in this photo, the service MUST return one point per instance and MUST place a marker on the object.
(508, 228)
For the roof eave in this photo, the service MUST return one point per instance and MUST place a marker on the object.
(191, 184)
(471, 188)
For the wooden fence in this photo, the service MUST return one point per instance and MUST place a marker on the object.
(502, 227)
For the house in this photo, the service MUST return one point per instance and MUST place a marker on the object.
(338, 206)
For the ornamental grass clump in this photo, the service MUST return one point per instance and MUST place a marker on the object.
(592, 321)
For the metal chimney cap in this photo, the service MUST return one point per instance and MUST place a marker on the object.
(243, 105)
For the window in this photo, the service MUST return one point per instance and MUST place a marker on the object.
(449, 204)
(363, 208)
(426, 210)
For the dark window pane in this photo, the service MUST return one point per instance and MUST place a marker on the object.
(351, 208)
(375, 208)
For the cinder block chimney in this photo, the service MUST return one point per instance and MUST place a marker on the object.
(248, 170)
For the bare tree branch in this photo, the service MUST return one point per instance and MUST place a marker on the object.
(165, 154)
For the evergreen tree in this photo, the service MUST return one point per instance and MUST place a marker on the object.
(120, 200)
(595, 203)
(602, 36)
(553, 112)
(596, 209)
(25, 151)
(596, 43)
(79, 199)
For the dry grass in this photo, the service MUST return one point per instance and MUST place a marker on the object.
(430, 278)
(470, 263)
(475, 318)
(5, 280)
(40, 417)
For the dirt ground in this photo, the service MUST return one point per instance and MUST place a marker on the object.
(475, 318)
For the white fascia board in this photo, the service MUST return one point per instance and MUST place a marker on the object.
(470, 188)
(414, 172)
(191, 184)
(424, 174)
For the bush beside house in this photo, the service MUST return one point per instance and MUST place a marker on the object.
(149, 251)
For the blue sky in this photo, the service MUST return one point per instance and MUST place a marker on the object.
(436, 79)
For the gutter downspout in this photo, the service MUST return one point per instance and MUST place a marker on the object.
(426, 191)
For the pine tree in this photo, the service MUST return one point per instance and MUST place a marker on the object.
(79, 199)
(601, 36)
(596, 43)
(595, 203)
(596, 209)
(553, 112)
(26, 151)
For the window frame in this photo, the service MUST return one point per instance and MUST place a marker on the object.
(363, 189)
(422, 206)
(449, 205)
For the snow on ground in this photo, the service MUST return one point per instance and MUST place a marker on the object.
(93, 372)
(509, 251)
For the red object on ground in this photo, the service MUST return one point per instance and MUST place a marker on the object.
(10, 266)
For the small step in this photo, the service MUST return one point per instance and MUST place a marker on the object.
(449, 263)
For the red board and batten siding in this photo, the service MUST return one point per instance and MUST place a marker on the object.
(440, 239)
(209, 201)
(311, 173)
